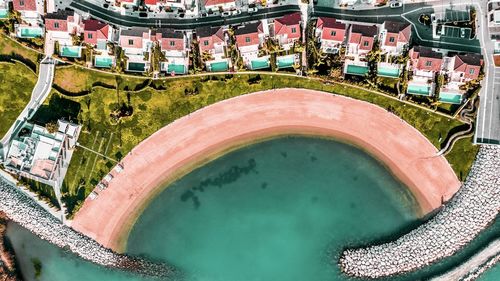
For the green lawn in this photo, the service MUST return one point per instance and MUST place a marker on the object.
(16, 83)
(9, 46)
(153, 109)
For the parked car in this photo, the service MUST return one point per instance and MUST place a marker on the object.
(225, 14)
(396, 5)
(235, 12)
(252, 10)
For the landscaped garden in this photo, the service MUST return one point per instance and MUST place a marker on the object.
(16, 83)
(118, 116)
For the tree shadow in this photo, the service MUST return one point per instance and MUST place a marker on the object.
(58, 107)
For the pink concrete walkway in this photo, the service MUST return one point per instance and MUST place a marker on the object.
(192, 140)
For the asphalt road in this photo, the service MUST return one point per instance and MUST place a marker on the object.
(488, 118)
(176, 23)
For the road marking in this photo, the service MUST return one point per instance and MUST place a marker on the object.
(95, 160)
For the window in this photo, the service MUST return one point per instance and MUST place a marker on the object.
(130, 42)
(294, 30)
(366, 43)
(205, 43)
(392, 39)
(172, 43)
(247, 39)
(21, 3)
(471, 71)
(428, 63)
(56, 24)
(89, 35)
(333, 33)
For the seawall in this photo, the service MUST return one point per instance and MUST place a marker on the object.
(474, 207)
(23, 210)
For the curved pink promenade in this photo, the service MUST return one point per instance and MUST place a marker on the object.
(192, 140)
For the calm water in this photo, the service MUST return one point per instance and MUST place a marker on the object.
(278, 210)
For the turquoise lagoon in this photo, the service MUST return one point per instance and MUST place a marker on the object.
(282, 209)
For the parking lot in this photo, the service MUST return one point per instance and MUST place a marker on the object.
(456, 32)
(451, 15)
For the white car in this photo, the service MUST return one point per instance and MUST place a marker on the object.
(235, 12)
(225, 14)
(396, 5)
(252, 10)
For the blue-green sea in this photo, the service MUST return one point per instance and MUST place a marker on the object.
(278, 210)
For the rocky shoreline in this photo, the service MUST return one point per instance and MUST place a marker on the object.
(23, 210)
(474, 207)
(8, 270)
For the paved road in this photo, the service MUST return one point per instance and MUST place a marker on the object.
(38, 96)
(179, 24)
(488, 119)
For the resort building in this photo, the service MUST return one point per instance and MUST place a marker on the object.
(97, 34)
(127, 3)
(248, 40)
(331, 34)
(287, 30)
(173, 45)
(61, 26)
(31, 11)
(424, 63)
(394, 37)
(42, 155)
(212, 45)
(136, 43)
(459, 70)
(361, 40)
(219, 5)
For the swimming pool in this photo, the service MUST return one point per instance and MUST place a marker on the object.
(392, 72)
(260, 63)
(219, 66)
(176, 68)
(30, 32)
(4, 13)
(356, 70)
(285, 61)
(71, 51)
(136, 66)
(422, 90)
(450, 97)
(103, 62)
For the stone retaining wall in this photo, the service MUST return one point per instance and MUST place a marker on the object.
(24, 211)
(472, 209)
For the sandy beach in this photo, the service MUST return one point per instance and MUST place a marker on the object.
(193, 140)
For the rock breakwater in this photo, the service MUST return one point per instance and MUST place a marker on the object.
(23, 210)
(472, 209)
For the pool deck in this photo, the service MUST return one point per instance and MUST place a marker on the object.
(193, 140)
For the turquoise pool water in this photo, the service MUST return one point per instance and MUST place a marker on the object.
(176, 68)
(71, 51)
(136, 66)
(278, 210)
(419, 90)
(388, 72)
(450, 98)
(356, 70)
(4, 13)
(103, 62)
(260, 63)
(285, 62)
(31, 32)
(219, 66)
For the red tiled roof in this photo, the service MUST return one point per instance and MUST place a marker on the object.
(425, 59)
(363, 35)
(28, 5)
(469, 64)
(56, 25)
(399, 31)
(207, 42)
(217, 2)
(332, 29)
(287, 24)
(94, 30)
(169, 39)
(151, 2)
(126, 40)
(248, 35)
